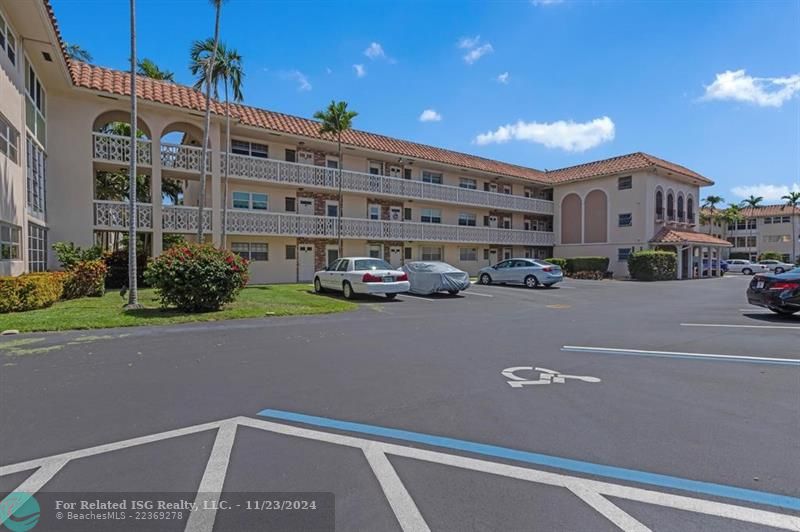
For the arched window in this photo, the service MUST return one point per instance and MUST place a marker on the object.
(670, 207)
(690, 210)
(659, 205)
(681, 213)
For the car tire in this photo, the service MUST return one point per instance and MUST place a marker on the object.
(318, 286)
(453, 292)
(747, 271)
(485, 279)
(783, 311)
(390, 296)
(531, 281)
(779, 270)
(347, 291)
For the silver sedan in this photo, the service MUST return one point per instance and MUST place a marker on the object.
(530, 272)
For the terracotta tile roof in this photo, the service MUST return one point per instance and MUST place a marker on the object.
(620, 164)
(56, 30)
(667, 235)
(118, 82)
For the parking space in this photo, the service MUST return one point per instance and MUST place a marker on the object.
(595, 405)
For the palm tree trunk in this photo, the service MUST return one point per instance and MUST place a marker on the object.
(341, 201)
(133, 293)
(206, 132)
(227, 165)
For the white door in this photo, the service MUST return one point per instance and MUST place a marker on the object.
(492, 257)
(395, 171)
(305, 263)
(305, 206)
(394, 256)
(305, 157)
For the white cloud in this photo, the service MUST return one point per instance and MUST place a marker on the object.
(430, 115)
(546, 2)
(360, 71)
(375, 51)
(468, 42)
(328, 70)
(302, 81)
(503, 78)
(476, 53)
(569, 136)
(765, 92)
(768, 192)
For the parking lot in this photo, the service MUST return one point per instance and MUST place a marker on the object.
(597, 405)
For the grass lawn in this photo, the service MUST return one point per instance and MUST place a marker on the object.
(107, 311)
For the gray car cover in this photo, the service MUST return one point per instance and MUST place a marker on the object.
(428, 277)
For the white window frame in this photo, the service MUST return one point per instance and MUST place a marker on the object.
(35, 103)
(471, 254)
(431, 214)
(9, 140)
(468, 183)
(36, 177)
(37, 247)
(328, 205)
(431, 253)
(374, 165)
(250, 200)
(374, 209)
(467, 217)
(620, 222)
(431, 176)
(246, 250)
(9, 44)
(331, 162)
(331, 248)
(375, 247)
(250, 151)
(10, 242)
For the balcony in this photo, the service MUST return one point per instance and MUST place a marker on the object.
(111, 215)
(116, 149)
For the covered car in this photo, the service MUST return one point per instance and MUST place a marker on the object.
(429, 277)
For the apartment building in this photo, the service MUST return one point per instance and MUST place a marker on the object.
(401, 200)
(767, 228)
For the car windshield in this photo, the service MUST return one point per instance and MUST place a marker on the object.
(372, 264)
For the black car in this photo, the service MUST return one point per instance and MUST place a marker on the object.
(779, 293)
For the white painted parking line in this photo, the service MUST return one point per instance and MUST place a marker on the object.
(681, 354)
(725, 325)
(213, 480)
(589, 490)
(473, 293)
(414, 296)
(756, 310)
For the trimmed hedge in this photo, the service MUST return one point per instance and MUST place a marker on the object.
(562, 263)
(31, 291)
(197, 278)
(771, 255)
(86, 279)
(582, 265)
(653, 265)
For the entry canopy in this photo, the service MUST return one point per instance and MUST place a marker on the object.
(668, 235)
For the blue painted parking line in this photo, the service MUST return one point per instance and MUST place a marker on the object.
(578, 466)
(679, 354)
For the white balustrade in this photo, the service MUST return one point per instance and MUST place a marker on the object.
(182, 219)
(183, 157)
(116, 215)
(117, 149)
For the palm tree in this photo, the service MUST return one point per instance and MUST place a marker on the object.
(792, 200)
(209, 65)
(710, 202)
(752, 203)
(147, 68)
(133, 293)
(77, 53)
(335, 120)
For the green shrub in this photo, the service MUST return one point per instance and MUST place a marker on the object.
(653, 265)
(69, 254)
(85, 279)
(562, 263)
(587, 264)
(771, 255)
(197, 278)
(30, 291)
(117, 264)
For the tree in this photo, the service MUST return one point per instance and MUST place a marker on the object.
(710, 203)
(133, 292)
(77, 53)
(752, 203)
(335, 120)
(209, 65)
(228, 70)
(148, 69)
(792, 201)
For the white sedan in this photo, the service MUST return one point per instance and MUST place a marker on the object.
(746, 267)
(361, 275)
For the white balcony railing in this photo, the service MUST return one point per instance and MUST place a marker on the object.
(112, 148)
(275, 171)
(117, 149)
(114, 216)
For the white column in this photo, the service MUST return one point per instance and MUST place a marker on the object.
(155, 198)
(680, 261)
(690, 269)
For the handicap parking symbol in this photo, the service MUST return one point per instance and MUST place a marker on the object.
(546, 376)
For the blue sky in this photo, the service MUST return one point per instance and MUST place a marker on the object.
(541, 83)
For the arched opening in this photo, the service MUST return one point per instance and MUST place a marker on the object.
(690, 209)
(670, 206)
(595, 221)
(659, 205)
(681, 212)
(571, 219)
